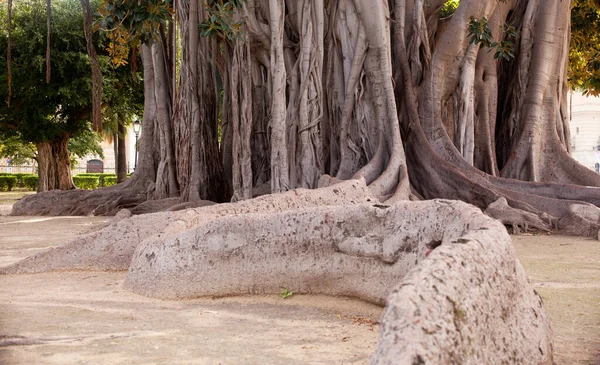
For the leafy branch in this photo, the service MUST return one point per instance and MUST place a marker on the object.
(220, 21)
(128, 23)
(481, 34)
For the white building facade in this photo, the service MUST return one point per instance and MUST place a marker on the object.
(585, 130)
(109, 155)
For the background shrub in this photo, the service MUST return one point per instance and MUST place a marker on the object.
(7, 182)
(86, 182)
(101, 178)
(110, 180)
(30, 182)
(19, 175)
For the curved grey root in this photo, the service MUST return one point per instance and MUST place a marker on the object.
(112, 247)
(359, 250)
(467, 302)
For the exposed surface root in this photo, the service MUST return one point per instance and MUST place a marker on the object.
(582, 220)
(516, 217)
(111, 207)
(312, 250)
(103, 201)
(439, 306)
(113, 247)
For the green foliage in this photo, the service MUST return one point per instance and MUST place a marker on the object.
(285, 293)
(109, 180)
(7, 182)
(19, 152)
(124, 94)
(86, 182)
(31, 182)
(129, 23)
(85, 143)
(104, 179)
(220, 21)
(449, 8)
(504, 49)
(584, 56)
(18, 175)
(481, 34)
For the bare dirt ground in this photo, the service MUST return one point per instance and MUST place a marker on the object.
(87, 318)
(566, 273)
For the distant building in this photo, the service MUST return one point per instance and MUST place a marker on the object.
(585, 130)
(109, 155)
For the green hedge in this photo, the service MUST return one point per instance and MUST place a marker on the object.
(7, 182)
(101, 178)
(19, 175)
(30, 182)
(86, 182)
(110, 180)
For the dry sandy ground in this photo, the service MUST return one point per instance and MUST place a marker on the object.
(87, 318)
(566, 273)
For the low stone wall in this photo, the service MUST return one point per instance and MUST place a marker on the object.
(468, 302)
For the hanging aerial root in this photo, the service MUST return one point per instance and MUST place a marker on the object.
(360, 51)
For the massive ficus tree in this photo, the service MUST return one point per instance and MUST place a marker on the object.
(470, 106)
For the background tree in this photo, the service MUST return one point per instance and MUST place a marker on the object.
(18, 152)
(123, 100)
(56, 116)
(47, 114)
(22, 153)
(584, 62)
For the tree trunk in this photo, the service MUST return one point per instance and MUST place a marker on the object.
(54, 165)
(115, 137)
(280, 180)
(200, 171)
(121, 157)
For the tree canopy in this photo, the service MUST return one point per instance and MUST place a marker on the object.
(42, 111)
(584, 60)
(59, 111)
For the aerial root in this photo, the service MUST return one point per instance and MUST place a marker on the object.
(111, 207)
(581, 220)
(517, 218)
